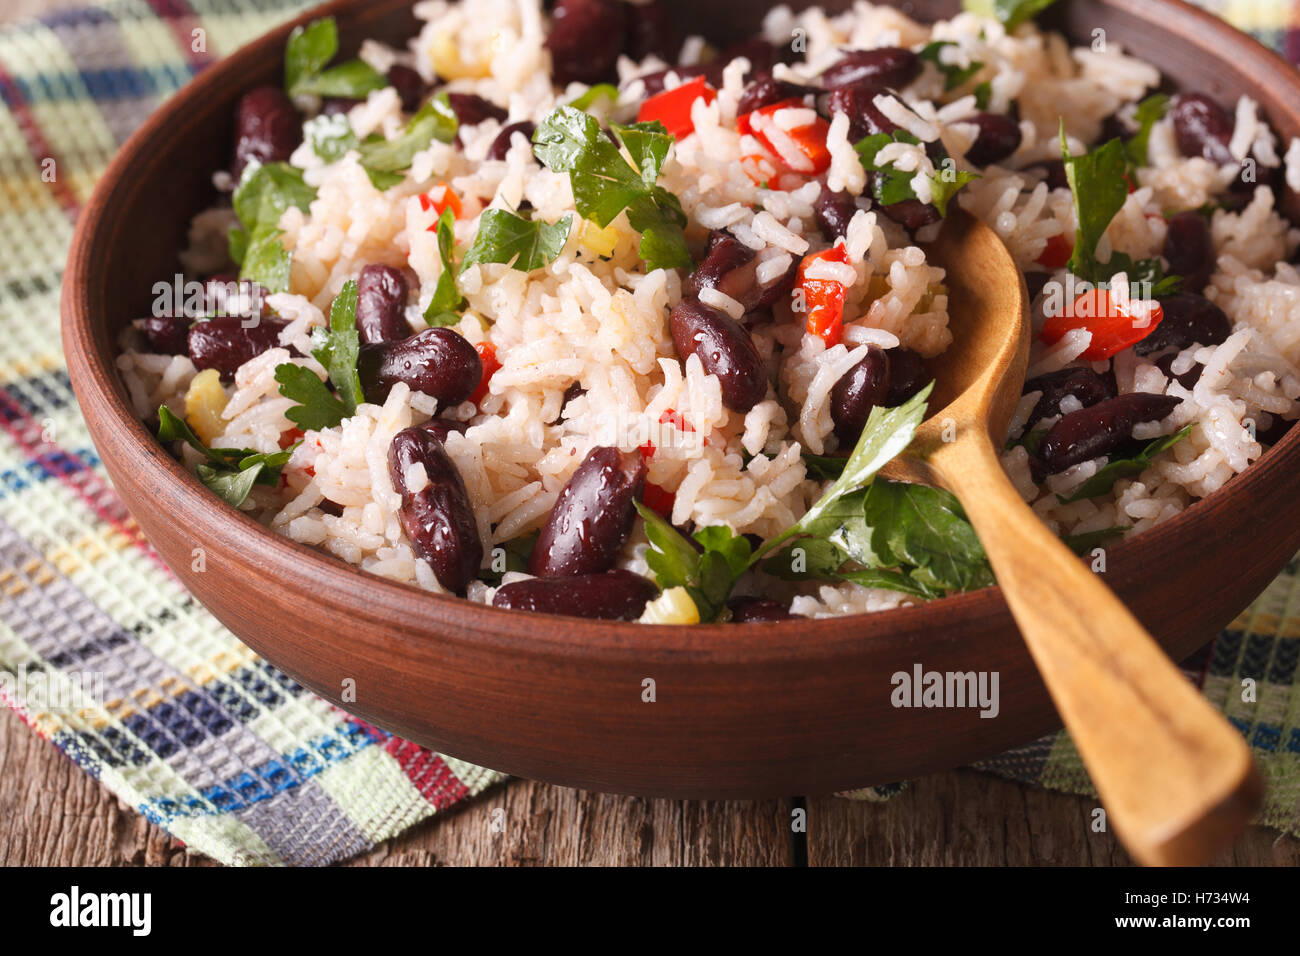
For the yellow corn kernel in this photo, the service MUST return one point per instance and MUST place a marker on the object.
(447, 62)
(674, 606)
(204, 403)
(597, 241)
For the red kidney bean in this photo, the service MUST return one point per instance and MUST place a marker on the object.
(438, 362)
(834, 212)
(883, 66)
(731, 267)
(766, 90)
(438, 519)
(1054, 173)
(611, 596)
(1190, 250)
(334, 105)
(857, 392)
(500, 147)
(912, 214)
(1100, 429)
(471, 110)
(586, 38)
(999, 137)
(651, 32)
(267, 128)
(410, 86)
(225, 344)
(381, 304)
(907, 375)
(1187, 380)
(761, 54)
(166, 334)
(1202, 127)
(1083, 383)
(858, 102)
(752, 610)
(592, 517)
(441, 428)
(1190, 319)
(725, 350)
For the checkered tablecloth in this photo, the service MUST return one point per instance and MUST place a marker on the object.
(104, 654)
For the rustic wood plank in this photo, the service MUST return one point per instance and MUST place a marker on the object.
(964, 818)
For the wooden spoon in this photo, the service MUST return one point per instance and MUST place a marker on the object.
(1176, 779)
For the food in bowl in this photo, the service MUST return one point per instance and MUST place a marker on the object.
(569, 314)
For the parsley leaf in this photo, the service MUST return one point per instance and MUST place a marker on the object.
(954, 76)
(1149, 112)
(1010, 13)
(606, 91)
(823, 467)
(331, 136)
(1097, 183)
(310, 48)
(890, 186)
(1104, 480)
(317, 407)
(707, 575)
(337, 347)
(385, 159)
(265, 191)
(925, 529)
(507, 238)
(604, 184)
(447, 300)
(230, 472)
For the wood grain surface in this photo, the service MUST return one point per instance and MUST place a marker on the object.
(53, 814)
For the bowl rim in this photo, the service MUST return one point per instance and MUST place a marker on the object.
(97, 383)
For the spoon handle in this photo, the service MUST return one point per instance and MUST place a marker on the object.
(1177, 780)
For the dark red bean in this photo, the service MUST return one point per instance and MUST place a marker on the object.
(999, 137)
(752, 610)
(225, 344)
(1054, 173)
(907, 375)
(1100, 429)
(651, 32)
(612, 596)
(761, 54)
(500, 147)
(410, 86)
(858, 102)
(166, 334)
(1189, 319)
(834, 212)
(912, 214)
(1190, 250)
(731, 268)
(725, 350)
(766, 90)
(267, 128)
(441, 428)
(471, 110)
(884, 66)
(1202, 127)
(334, 105)
(857, 392)
(1083, 383)
(381, 304)
(586, 38)
(592, 517)
(438, 362)
(1187, 380)
(438, 519)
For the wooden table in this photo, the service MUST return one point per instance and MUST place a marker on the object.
(53, 814)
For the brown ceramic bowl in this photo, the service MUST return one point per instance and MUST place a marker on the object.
(752, 711)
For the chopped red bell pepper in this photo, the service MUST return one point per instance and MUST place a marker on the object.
(659, 500)
(673, 107)
(488, 356)
(670, 417)
(439, 199)
(809, 140)
(824, 298)
(1113, 329)
(1057, 252)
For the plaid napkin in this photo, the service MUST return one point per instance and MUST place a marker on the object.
(103, 653)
